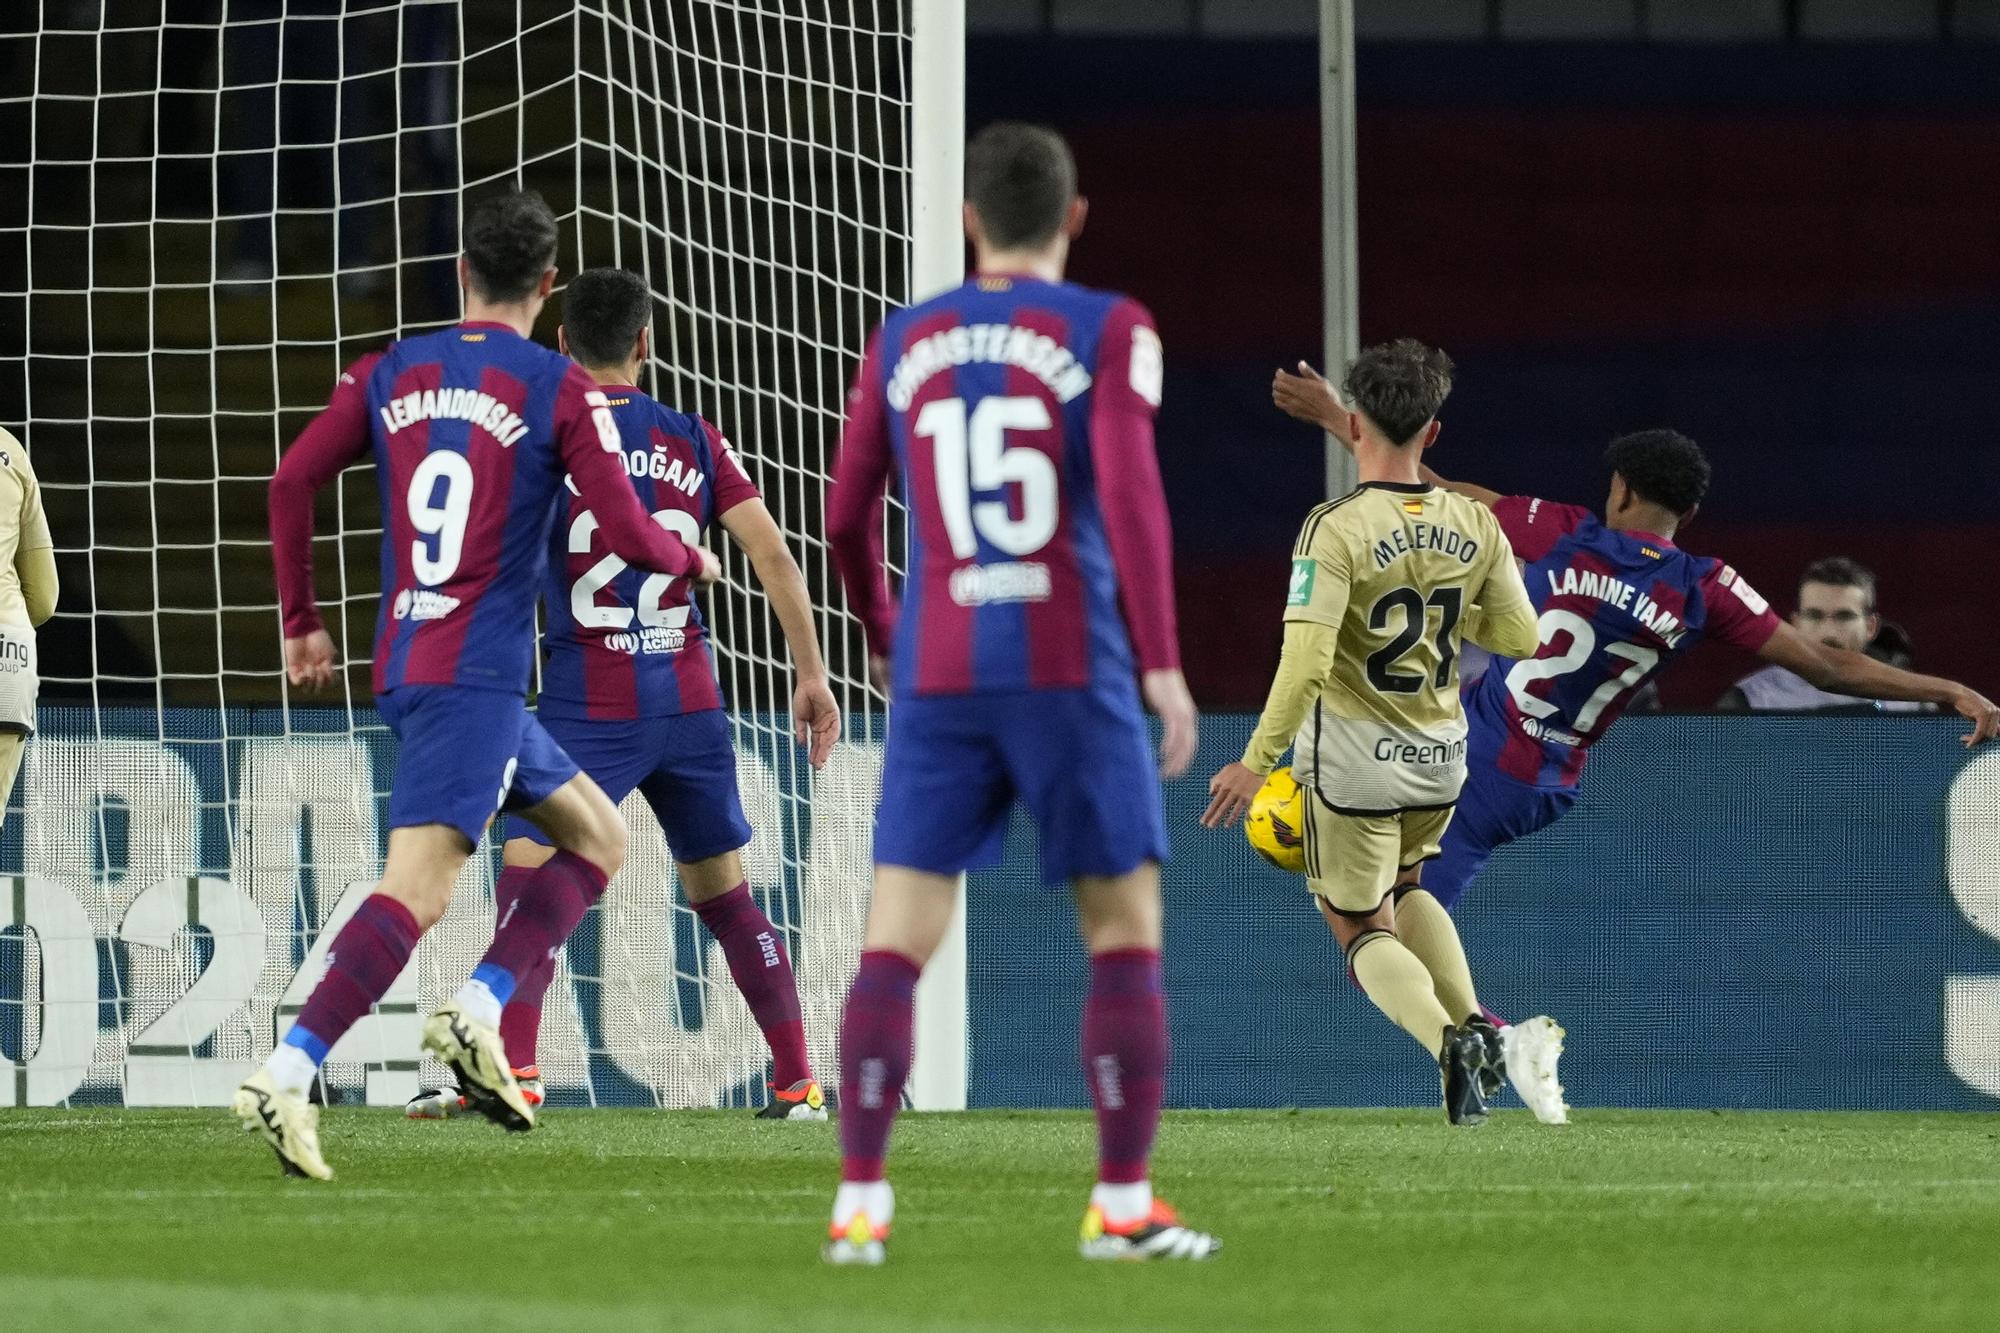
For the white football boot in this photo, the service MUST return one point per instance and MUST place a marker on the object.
(1532, 1047)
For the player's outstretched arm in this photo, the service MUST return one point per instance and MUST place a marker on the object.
(815, 715)
(1303, 668)
(1839, 671)
(1503, 620)
(331, 441)
(1315, 604)
(1483, 494)
(1310, 397)
(1130, 378)
(587, 440)
(854, 511)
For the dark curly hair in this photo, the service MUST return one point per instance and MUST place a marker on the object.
(1399, 386)
(510, 241)
(604, 310)
(1664, 467)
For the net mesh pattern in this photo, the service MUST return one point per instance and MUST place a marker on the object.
(216, 205)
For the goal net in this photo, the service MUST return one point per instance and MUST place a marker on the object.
(218, 206)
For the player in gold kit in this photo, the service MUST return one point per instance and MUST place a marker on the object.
(27, 598)
(1385, 582)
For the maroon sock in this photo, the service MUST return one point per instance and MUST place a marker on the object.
(521, 1020)
(755, 951)
(367, 956)
(1125, 1059)
(876, 1047)
(549, 903)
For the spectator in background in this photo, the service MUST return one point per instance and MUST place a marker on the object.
(1836, 605)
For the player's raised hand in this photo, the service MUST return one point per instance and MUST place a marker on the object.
(1983, 713)
(878, 673)
(309, 660)
(1166, 693)
(710, 570)
(815, 719)
(1310, 397)
(1230, 792)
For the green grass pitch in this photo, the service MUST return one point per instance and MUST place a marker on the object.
(1378, 1220)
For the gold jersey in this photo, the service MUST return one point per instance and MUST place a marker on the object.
(1400, 573)
(23, 525)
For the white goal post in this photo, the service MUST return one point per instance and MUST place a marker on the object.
(1339, 241)
(218, 212)
(938, 1078)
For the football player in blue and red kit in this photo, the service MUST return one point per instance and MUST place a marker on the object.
(1617, 601)
(473, 430)
(1017, 413)
(629, 689)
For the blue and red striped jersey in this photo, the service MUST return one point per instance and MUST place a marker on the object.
(1615, 607)
(473, 429)
(617, 642)
(1017, 415)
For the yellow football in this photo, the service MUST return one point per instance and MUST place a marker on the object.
(1276, 822)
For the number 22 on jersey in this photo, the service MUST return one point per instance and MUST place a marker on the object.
(583, 606)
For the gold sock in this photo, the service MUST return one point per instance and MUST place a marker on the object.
(1400, 987)
(1426, 930)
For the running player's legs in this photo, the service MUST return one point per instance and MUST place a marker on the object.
(1424, 927)
(945, 800)
(1087, 774)
(579, 820)
(1352, 862)
(464, 754)
(1493, 810)
(613, 756)
(695, 797)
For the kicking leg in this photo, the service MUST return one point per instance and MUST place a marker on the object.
(907, 918)
(521, 1016)
(550, 899)
(1125, 1055)
(1396, 981)
(755, 952)
(1351, 866)
(1426, 929)
(367, 956)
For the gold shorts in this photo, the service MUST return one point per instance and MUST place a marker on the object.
(1352, 860)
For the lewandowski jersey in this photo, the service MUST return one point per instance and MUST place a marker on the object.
(469, 430)
(1615, 607)
(1016, 414)
(619, 643)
